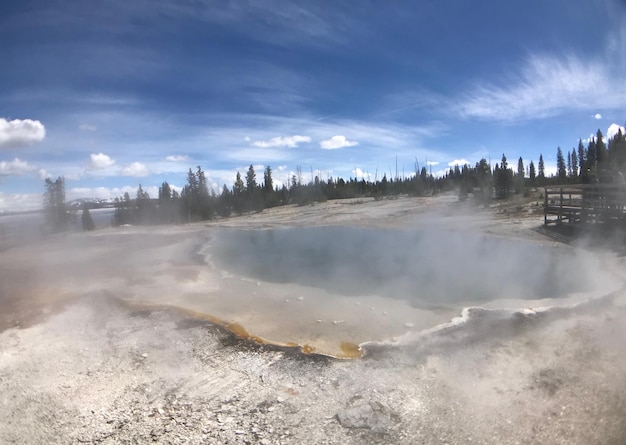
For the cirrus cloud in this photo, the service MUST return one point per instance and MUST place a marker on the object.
(18, 133)
(338, 141)
(548, 86)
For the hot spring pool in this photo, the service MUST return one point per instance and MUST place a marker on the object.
(428, 269)
(332, 288)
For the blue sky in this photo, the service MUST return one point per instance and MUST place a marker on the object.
(116, 93)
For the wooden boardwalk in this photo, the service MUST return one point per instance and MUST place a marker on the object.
(585, 204)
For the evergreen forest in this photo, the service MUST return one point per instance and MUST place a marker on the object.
(598, 161)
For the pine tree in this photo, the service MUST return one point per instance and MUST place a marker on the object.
(541, 174)
(592, 160)
(532, 173)
(519, 178)
(165, 192)
(602, 154)
(203, 197)
(224, 206)
(250, 180)
(617, 151)
(55, 211)
(569, 164)
(123, 211)
(582, 160)
(143, 207)
(560, 166)
(238, 194)
(574, 158)
(86, 220)
(503, 178)
(166, 207)
(485, 180)
(268, 185)
(254, 200)
(269, 195)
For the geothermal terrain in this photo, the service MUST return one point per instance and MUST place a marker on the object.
(172, 334)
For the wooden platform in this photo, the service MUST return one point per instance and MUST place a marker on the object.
(585, 204)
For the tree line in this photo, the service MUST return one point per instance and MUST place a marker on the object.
(599, 161)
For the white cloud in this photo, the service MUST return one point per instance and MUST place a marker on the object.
(360, 174)
(432, 163)
(597, 116)
(177, 158)
(459, 162)
(16, 167)
(548, 86)
(99, 161)
(87, 127)
(18, 133)
(613, 129)
(279, 141)
(136, 169)
(336, 142)
(43, 174)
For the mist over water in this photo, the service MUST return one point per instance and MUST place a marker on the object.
(429, 268)
(320, 287)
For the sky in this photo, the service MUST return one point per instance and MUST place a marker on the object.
(114, 94)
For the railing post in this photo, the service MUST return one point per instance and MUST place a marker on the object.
(545, 206)
(560, 205)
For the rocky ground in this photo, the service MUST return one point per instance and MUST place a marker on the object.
(89, 368)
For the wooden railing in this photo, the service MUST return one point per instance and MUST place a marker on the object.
(584, 203)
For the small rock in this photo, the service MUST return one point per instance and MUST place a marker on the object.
(373, 416)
